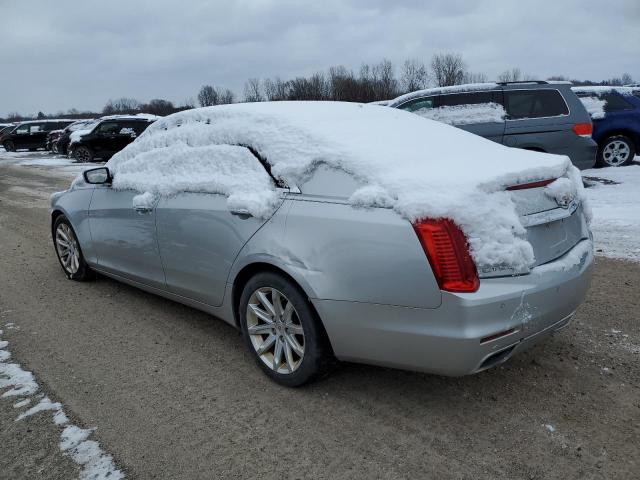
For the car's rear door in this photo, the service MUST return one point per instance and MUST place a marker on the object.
(124, 236)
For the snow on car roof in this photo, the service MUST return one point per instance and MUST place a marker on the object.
(47, 120)
(601, 90)
(469, 87)
(137, 116)
(420, 168)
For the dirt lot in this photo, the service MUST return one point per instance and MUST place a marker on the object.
(173, 393)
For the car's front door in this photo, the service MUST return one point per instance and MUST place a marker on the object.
(124, 236)
(20, 136)
(199, 239)
(104, 138)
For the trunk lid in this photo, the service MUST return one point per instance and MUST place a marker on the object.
(553, 226)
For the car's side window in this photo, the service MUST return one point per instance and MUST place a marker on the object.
(108, 128)
(24, 129)
(38, 127)
(534, 103)
(418, 104)
(615, 103)
(470, 98)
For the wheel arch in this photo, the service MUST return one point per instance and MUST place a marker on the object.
(250, 270)
(634, 136)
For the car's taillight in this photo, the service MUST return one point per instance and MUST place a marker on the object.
(525, 186)
(583, 129)
(448, 254)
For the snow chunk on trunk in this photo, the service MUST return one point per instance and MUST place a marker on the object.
(464, 114)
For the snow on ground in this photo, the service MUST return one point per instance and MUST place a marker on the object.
(19, 383)
(57, 164)
(614, 195)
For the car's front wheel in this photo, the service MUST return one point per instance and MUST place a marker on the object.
(282, 331)
(9, 146)
(616, 151)
(69, 252)
(83, 154)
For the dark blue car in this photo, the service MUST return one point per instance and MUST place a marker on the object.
(615, 112)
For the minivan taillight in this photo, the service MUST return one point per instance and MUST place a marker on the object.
(583, 129)
(448, 254)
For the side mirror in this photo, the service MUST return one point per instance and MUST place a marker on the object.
(97, 176)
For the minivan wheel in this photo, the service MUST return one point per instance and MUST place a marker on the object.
(9, 146)
(83, 154)
(69, 252)
(282, 331)
(616, 151)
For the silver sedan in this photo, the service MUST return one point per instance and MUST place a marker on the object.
(321, 280)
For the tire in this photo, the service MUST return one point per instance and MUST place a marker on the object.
(292, 369)
(70, 257)
(616, 151)
(83, 154)
(9, 146)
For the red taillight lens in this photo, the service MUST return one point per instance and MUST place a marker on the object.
(583, 129)
(524, 186)
(448, 253)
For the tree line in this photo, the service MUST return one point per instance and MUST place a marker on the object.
(369, 83)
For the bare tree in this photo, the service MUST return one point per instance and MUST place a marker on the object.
(448, 69)
(121, 106)
(414, 76)
(626, 79)
(253, 91)
(513, 75)
(208, 96)
(276, 89)
(475, 77)
(225, 96)
(158, 106)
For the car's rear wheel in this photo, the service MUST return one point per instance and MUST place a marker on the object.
(83, 154)
(282, 331)
(69, 251)
(9, 146)
(616, 151)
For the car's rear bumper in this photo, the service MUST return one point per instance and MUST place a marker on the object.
(449, 340)
(582, 152)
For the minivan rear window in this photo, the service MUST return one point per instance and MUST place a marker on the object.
(534, 103)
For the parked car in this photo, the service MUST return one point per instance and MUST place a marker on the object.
(60, 141)
(107, 137)
(537, 115)
(30, 135)
(328, 229)
(6, 127)
(616, 128)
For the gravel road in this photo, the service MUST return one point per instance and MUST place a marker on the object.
(174, 395)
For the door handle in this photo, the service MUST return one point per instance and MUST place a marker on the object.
(241, 212)
(142, 209)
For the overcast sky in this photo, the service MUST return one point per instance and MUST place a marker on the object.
(62, 54)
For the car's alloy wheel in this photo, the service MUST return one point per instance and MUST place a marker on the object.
(616, 151)
(274, 328)
(82, 154)
(283, 331)
(69, 251)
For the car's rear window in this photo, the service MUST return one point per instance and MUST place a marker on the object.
(615, 103)
(534, 103)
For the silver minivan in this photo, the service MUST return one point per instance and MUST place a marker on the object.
(538, 115)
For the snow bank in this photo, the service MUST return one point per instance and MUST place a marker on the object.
(405, 161)
(464, 114)
(613, 196)
(595, 106)
(469, 87)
